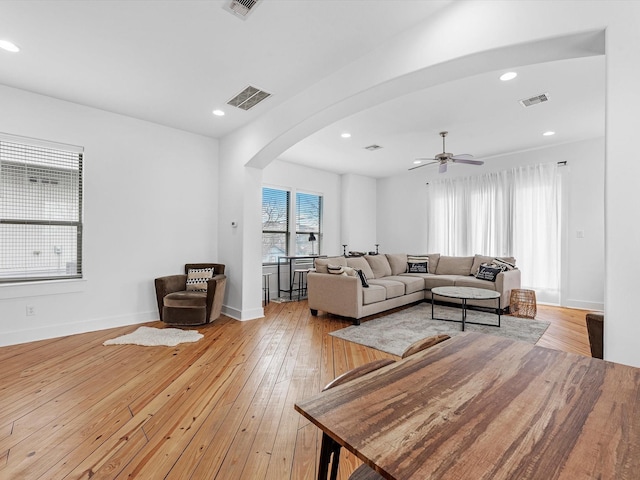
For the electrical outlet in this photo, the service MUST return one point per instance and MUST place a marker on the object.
(31, 310)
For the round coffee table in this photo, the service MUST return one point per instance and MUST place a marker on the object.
(464, 294)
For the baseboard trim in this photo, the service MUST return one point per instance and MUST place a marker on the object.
(584, 305)
(63, 330)
(242, 315)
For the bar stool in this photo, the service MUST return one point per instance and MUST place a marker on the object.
(265, 287)
(301, 288)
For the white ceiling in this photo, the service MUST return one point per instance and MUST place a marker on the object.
(173, 62)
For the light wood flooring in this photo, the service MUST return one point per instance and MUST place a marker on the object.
(220, 408)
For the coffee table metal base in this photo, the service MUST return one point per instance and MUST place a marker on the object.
(463, 320)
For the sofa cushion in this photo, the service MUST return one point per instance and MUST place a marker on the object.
(411, 284)
(434, 258)
(470, 281)
(431, 281)
(454, 265)
(359, 263)
(397, 262)
(373, 294)
(379, 265)
(185, 299)
(321, 263)
(393, 288)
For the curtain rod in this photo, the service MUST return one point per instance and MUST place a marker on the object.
(563, 163)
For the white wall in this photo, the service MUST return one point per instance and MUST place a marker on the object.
(358, 213)
(402, 213)
(151, 205)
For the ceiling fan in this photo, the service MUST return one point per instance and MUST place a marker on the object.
(444, 158)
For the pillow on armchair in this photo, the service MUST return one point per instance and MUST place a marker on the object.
(197, 279)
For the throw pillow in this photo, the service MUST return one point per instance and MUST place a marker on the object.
(418, 267)
(504, 264)
(488, 272)
(363, 278)
(417, 264)
(335, 269)
(197, 279)
(349, 272)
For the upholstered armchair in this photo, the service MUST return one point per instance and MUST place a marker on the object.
(194, 298)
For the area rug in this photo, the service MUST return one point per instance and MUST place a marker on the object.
(395, 332)
(152, 337)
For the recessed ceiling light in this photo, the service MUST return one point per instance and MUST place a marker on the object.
(9, 46)
(218, 113)
(508, 76)
(549, 133)
(417, 162)
(346, 135)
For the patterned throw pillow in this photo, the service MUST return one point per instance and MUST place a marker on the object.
(417, 264)
(503, 264)
(335, 269)
(197, 279)
(488, 272)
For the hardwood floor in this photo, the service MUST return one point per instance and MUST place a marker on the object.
(220, 408)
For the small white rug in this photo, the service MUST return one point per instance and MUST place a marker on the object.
(152, 337)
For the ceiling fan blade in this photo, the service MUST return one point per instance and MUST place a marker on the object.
(470, 162)
(443, 167)
(463, 155)
(424, 164)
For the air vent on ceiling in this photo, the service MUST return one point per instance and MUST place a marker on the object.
(240, 8)
(528, 102)
(248, 98)
(373, 147)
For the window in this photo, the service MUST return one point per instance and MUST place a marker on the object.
(515, 213)
(308, 221)
(275, 224)
(276, 211)
(40, 210)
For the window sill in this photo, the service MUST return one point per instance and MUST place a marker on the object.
(41, 288)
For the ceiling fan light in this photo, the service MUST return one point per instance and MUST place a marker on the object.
(417, 162)
(505, 77)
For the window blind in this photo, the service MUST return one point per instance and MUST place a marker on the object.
(41, 195)
(275, 224)
(308, 221)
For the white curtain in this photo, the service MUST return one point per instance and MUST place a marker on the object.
(509, 213)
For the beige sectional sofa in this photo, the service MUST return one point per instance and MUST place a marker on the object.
(391, 285)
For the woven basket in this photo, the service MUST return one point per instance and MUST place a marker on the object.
(523, 303)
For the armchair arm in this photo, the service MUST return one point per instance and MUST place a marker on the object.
(167, 285)
(215, 296)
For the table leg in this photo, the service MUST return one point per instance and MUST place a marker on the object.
(464, 312)
(279, 290)
(432, 305)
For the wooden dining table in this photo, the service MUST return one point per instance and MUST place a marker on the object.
(480, 406)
